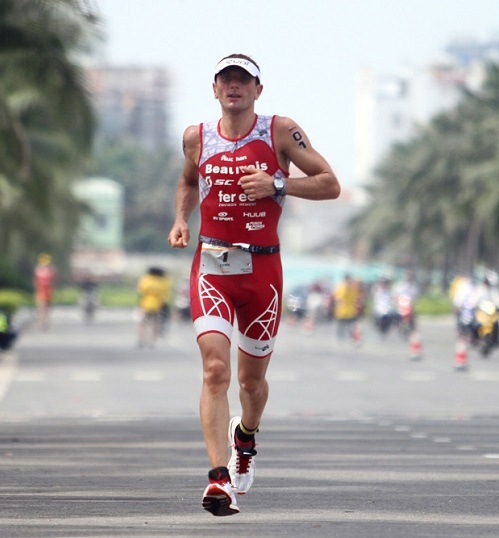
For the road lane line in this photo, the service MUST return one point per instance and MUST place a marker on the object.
(282, 376)
(352, 375)
(87, 376)
(485, 376)
(442, 440)
(151, 375)
(30, 377)
(420, 376)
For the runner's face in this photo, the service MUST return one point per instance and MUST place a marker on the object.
(236, 89)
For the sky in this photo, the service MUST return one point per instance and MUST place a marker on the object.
(310, 53)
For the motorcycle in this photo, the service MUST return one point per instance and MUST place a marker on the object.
(486, 326)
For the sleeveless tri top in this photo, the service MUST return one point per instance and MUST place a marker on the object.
(226, 212)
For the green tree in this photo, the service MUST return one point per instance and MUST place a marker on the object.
(435, 203)
(46, 125)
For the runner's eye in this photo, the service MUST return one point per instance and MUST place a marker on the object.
(242, 79)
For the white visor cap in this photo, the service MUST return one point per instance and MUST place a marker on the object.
(248, 66)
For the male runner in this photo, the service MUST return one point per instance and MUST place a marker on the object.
(237, 168)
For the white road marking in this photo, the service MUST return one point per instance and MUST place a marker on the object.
(420, 376)
(30, 377)
(402, 428)
(149, 375)
(87, 376)
(352, 375)
(485, 376)
(282, 376)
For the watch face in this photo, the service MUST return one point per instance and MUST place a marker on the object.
(278, 183)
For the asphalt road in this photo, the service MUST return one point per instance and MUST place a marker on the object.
(99, 438)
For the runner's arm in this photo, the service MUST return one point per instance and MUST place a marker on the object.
(293, 145)
(187, 194)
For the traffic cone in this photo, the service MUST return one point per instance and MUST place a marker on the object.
(415, 347)
(356, 333)
(461, 355)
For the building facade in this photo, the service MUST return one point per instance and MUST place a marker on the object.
(131, 104)
(389, 107)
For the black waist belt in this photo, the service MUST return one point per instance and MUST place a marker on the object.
(253, 249)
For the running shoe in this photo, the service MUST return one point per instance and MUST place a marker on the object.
(219, 498)
(242, 462)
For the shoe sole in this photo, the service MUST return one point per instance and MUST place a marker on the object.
(219, 505)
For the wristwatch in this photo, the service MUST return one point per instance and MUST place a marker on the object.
(279, 186)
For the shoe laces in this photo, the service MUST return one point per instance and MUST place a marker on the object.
(244, 455)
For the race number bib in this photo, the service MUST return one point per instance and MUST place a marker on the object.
(225, 261)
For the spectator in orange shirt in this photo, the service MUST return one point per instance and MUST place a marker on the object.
(44, 280)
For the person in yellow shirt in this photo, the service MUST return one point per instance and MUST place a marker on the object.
(154, 291)
(346, 307)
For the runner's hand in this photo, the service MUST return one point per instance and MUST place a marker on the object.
(179, 236)
(256, 183)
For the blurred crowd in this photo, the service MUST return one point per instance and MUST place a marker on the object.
(387, 304)
(390, 305)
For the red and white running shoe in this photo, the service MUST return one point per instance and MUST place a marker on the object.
(242, 461)
(219, 498)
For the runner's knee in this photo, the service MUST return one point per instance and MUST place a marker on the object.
(216, 373)
(251, 383)
(216, 363)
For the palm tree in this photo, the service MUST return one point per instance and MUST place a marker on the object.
(46, 121)
(436, 200)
